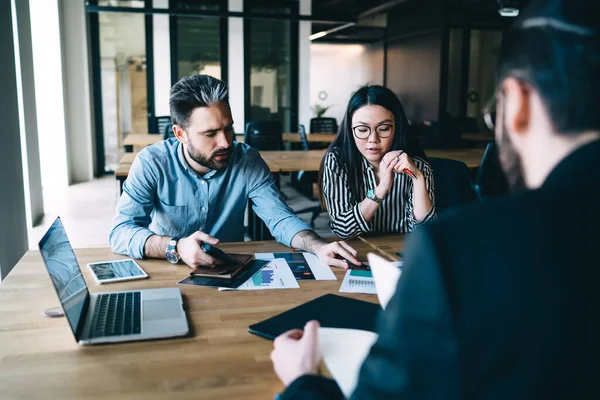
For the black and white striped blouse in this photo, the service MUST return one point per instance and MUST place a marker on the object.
(395, 213)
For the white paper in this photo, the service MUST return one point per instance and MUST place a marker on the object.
(358, 281)
(275, 275)
(386, 275)
(320, 271)
(344, 351)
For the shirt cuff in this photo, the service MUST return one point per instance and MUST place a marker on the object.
(137, 243)
(429, 216)
(292, 230)
(312, 386)
(362, 223)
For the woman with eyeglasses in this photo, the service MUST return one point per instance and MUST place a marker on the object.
(374, 178)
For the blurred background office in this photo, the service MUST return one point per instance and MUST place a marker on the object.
(80, 76)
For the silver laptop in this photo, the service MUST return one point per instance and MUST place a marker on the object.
(108, 317)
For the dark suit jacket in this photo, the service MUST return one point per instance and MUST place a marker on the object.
(499, 300)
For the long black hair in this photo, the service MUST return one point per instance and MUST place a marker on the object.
(344, 147)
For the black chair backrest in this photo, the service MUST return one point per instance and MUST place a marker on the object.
(452, 183)
(264, 135)
(491, 180)
(162, 125)
(303, 139)
(323, 125)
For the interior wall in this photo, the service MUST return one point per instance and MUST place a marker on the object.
(33, 182)
(485, 46)
(305, 28)
(413, 73)
(162, 60)
(341, 69)
(76, 89)
(13, 225)
(236, 66)
(48, 72)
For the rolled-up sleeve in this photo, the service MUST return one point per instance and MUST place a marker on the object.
(268, 203)
(346, 218)
(410, 215)
(133, 212)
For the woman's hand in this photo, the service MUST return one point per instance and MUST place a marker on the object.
(406, 163)
(386, 173)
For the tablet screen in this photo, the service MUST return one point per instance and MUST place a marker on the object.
(116, 269)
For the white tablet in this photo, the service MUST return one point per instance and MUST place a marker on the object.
(116, 271)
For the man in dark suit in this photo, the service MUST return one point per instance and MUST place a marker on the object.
(501, 300)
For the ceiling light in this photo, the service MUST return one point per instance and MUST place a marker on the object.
(508, 12)
(317, 35)
(509, 8)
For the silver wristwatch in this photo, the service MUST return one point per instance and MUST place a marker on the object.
(372, 196)
(171, 253)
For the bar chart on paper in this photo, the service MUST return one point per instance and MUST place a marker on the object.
(263, 278)
(358, 281)
(275, 275)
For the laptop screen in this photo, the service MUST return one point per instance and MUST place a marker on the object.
(65, 273)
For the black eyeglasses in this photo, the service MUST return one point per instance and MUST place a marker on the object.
(489, 111)
(364, 131)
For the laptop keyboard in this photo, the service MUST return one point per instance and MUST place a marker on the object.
(117, 314)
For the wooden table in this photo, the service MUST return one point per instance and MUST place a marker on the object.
(39, 357)
(298, 160)
(482, 137)
(124, 166)
(140, 140)
(293, 160)
(311, 137)
(471, 157)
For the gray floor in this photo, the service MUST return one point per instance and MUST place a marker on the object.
(87, 210)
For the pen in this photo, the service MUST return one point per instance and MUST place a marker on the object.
(409, 173)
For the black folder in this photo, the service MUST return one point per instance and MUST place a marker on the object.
(332, 311)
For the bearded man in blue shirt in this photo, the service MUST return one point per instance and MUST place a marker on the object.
(194, 188)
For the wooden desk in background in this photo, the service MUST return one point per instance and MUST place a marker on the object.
(481, 137)
(141, 140)
(311, 137)
(39, 357)
(299, 160)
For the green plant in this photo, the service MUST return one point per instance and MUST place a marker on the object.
(320, 110)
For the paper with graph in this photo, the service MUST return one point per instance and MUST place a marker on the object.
(275, 275)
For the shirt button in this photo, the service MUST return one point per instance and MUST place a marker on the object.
(203, 182)
(203, 208)
(201, 228)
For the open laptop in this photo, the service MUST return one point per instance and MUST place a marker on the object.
(108, 317)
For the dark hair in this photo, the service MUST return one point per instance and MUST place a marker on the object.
(344, 147)
(192, 92)
(555, 48)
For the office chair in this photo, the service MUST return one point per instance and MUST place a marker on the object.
(162, 124)
(323, 125)
(264, 135)
(304, 182)
(490, 180)
(452, 183)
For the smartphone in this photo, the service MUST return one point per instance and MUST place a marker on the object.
(351, 265)
(215, 252)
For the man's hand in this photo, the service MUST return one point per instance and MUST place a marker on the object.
(296, 353)
(330, 253)
(192, 254)
(335, 253)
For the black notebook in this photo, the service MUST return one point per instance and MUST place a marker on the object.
(332, 311)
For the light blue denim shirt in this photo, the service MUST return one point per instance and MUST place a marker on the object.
(163, 195)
